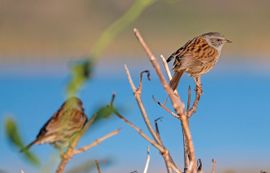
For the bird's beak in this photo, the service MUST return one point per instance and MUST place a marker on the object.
(228, 41)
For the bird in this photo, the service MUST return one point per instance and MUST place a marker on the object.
(197, 56)
(62, 126)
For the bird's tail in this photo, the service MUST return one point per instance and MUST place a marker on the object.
(27, 147)
(170, 58)
(175, 79)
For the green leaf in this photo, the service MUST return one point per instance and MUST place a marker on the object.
(14, 138)
(80, 72)
(104, 112)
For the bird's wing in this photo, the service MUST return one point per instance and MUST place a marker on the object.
(179, 52)
(61, 119)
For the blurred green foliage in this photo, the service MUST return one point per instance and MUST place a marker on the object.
(104, 112)
(81, 71)
(14, 138)
(119, 25)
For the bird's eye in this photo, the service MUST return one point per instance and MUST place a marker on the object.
(218, 40)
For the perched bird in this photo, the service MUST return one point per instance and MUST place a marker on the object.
(197, 56)
(66, 122)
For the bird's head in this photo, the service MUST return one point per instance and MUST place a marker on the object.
(216, 40)
(73, 103)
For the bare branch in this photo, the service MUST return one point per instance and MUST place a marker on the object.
(175, 98)
(213, 166)
(169, 155)
(147, 160)
(141, 76)
(167, 69)
(112, 99)
(98, 167)
(189, 98)
(164, 152)
(130, 80)
(186, 152)
(137, 94)
(156, 125)
(177, 104)
(165, 108)
(96, 142)
(200, 166)
(138, 130)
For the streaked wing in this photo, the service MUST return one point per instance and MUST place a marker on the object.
(69, 119)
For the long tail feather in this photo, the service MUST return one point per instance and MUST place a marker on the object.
(175, 79)
(170, 58)
(28, 146)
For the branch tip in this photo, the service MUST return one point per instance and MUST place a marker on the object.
(113, 99)
(147, 73)
(135, 30)
(159, 119)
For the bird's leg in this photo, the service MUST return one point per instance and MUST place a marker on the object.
(198, 96)
(198, 85)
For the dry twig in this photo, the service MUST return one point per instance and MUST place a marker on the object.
(214, 163)
(200, 166)
(165, 108)
(167, 69)
(147, 160)
(175, 99)
(98, 167)
(96, 142)
(152, 142)
(137, 93)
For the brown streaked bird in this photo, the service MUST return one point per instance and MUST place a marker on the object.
(197, 56)
(66, 122)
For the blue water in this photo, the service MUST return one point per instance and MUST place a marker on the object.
(231, 124)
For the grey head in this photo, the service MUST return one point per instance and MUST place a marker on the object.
(215, 39)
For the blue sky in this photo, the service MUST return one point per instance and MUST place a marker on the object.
(231, 124)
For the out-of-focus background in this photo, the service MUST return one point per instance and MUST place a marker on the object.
(41, 40)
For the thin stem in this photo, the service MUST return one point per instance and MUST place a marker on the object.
(177, 104)
(175, 99)
(200, 166)
(138, 130)
(167, 69)
(98, 167)
(165, 108)
(164, 152)
(96, 142)
(189, 98)
(137, 94)
(147, 160)
(214, 163)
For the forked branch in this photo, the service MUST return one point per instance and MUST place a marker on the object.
(177, 104)
(137, 94)
(165, 153)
